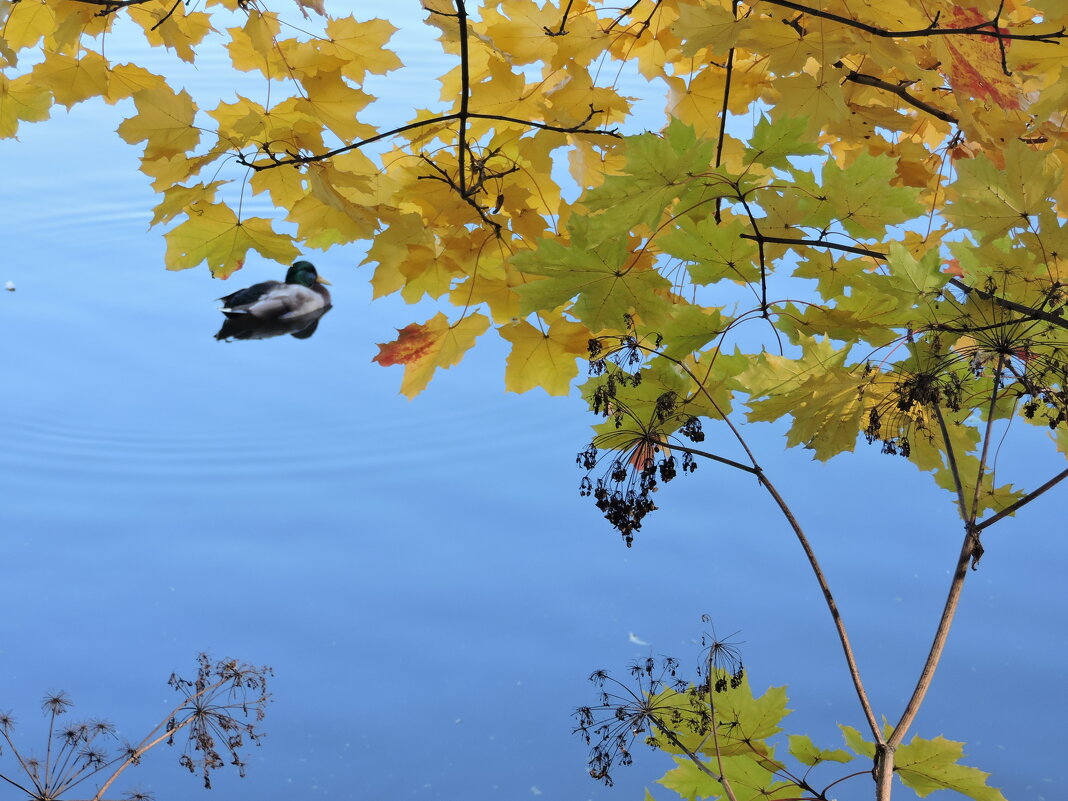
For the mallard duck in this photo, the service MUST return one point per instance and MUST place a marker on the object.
(301, 293)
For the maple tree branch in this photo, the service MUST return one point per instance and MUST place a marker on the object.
(1026, 499)
(111, 6)
(821, 579)
(1034, 314)
(832, 606)
(723, 112)
(934, 656)
(988, 28)
(901, 90)
(822, 243)
(294, 159)
(970, 552)
(981, 471)
(563, 21)
(760, 240)
(465, 97)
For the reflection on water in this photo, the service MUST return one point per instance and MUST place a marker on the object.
(423, 576)
(247, 326)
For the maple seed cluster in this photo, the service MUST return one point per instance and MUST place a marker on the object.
(218, 706)
(639, 436)
(654, 703)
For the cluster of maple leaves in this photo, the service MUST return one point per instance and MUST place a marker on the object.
(874, 190)
(853, 218)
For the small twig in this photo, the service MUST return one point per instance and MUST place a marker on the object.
(166, 16)
(902, 92)
(707, 455)
(563, 21)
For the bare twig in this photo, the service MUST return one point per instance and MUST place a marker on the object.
(988, 28)
(901, 90)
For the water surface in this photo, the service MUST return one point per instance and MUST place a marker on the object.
(423, 576)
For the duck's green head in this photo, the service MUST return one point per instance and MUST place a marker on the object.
(303, 273)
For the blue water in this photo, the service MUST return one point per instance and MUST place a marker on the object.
(422, 576)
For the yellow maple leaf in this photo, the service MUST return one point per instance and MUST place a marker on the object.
(361, 46)
(285, 186)
(21, 99)
(164, 122)
(496, 293)
(126, 80)
(423, 348)
(214, 234)
(169, 170)
(73, 21)
(335, 103)
(239, 122)
(177, 199)
(177, 30)
(27, 24)
(73, 80)
(306, 58)
(546, 359)
(246, 47)
(326, 217)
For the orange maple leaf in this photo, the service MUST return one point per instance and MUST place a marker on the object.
(413, 342)
(424, 347)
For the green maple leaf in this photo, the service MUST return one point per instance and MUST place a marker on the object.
(862, 316)
(929, 765)
(806, 752)
(713, 251)
(916, 278)
(744, 722)
(749, 779)
(773, 143)
(659, 169)
(824, 398)
(599, 282)
(862, 199)
(831, 273)
(856, 742)
(992, 200)
(690, 329)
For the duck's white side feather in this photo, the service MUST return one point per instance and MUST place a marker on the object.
(282, 302)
